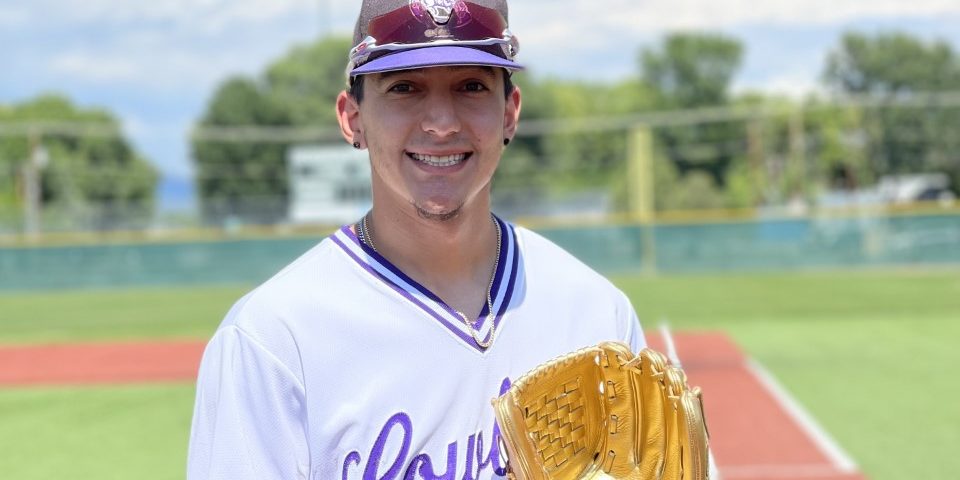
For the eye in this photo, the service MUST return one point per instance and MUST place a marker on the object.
(475, 86)
(401, 88)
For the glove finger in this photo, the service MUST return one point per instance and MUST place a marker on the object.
(686, 448)
(693, 428)
(653, 402)
(675, 384)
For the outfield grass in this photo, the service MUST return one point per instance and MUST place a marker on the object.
(71, 316)
(119, 433)
(867, 352)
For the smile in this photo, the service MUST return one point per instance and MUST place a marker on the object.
(439, 160)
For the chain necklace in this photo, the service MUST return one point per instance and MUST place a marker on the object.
(363, 232)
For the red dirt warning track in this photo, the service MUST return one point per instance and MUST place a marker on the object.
(100, 363)
(756, 432)
(754, 435)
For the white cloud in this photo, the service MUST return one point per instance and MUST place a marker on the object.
(794, 85)
(586, 19)
(193, 43)
(95, 68)
(176, 51)
(538, 17)
(201, 16)
(163, 69)
(13, 16)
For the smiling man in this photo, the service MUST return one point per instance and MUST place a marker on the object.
(376, 354)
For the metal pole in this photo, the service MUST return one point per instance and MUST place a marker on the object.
(798, 151)
(640, 183)
(31, 187)
(757, 158)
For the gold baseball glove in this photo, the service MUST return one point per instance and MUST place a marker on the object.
(604, 413)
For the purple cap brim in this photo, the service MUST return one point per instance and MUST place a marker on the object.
(434, 57)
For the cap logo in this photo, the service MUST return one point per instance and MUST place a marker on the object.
(440, 11)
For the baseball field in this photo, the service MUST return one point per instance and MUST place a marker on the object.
(868, 353)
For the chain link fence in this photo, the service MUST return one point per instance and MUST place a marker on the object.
(851, 182)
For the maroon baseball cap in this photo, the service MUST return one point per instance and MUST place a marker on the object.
(405, 34)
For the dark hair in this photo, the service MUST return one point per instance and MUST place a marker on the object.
(356, 86)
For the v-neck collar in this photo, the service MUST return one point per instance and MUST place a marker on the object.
(504, 283)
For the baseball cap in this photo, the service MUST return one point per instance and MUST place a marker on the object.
(406, 34)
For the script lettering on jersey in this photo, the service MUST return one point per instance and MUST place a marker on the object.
(403, 466)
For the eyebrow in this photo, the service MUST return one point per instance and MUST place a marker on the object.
(386, 75)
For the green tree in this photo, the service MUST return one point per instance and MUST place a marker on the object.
(840, 146)
(307, 80)
(692, 70)
(695, 70)
(91, 181)
(893, 65)
(242, 181)
(247, 180)
(562, 163)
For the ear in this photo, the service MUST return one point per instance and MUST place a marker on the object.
(511, 114)
(348, 115)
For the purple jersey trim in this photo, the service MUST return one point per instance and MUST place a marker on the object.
(377, 266)
(512, 283)
(402, 291)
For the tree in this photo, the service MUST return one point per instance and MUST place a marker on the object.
(889, 64)
(839, 146)
(247, 181)
(895, 65)
(306, 81)
(90, 182)
(693, 70)
(535, 168)
(244, 181)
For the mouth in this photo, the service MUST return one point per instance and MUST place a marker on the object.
(440, 160)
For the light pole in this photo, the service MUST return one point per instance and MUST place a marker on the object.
(33, 199)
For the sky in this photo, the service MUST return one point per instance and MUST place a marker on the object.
(156, 64)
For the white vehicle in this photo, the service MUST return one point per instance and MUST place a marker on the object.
(903, 189)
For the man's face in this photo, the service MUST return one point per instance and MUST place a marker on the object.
(435, 136)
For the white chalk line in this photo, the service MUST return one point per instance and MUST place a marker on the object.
(713, 471)
(840, 460)
(805, 471)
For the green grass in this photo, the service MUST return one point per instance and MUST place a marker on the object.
(111, 433)
(70, 316)
(868, 353)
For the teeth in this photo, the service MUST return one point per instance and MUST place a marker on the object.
(439, 161)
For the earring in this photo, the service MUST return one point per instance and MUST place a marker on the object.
(506, 141)
(356, 145)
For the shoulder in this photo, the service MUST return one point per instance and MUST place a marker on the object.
(538, 251)
(548, 264)
(271, 315)
(559, 283)
(293, 285)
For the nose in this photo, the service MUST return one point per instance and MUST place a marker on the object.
(440, 116)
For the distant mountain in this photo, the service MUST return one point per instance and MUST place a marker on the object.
(176, 194)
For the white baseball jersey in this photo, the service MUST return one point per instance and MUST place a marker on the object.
(343, 367)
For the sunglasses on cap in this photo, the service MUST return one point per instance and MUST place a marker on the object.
(411, 27)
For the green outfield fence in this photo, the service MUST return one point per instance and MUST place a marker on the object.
(678, 246)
